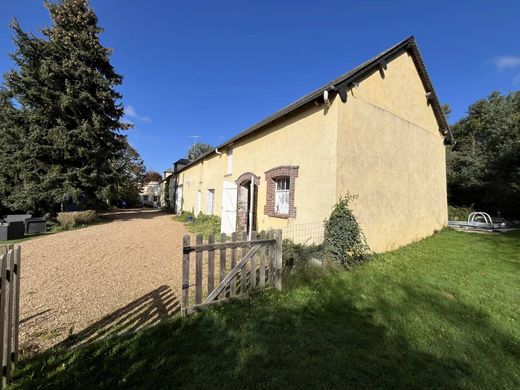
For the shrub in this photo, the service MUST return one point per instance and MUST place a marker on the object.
(72, 219)
(344, 242)
(205, 225)
(183, 217)
(456, 213)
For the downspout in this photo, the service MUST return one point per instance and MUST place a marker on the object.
(326, 98)
(216, 151)
(251, 203)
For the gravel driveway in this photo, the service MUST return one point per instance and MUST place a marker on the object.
(99, 280)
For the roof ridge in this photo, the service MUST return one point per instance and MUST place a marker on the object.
(344, 81)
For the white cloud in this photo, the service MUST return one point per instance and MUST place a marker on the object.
(132, 113)
(506, 62)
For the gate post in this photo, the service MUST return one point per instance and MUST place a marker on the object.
(278, 260)
(185, 296)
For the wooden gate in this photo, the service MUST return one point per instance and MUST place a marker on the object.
(10, 261)
(252, 264)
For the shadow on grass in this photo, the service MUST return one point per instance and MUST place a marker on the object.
(309, 337)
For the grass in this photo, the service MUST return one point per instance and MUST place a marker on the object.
(441, 313)
(203, 224)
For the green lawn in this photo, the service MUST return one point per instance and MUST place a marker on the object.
(443, 313)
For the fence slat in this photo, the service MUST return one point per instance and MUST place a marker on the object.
(211, 265)
(252, 274)
(3, 318)
(233, 284)
(278, 261)
(16, 330)
(10, 324)
(243, 273)
(185, 296)
(232, 273)
(261, 282)
(223, 239)
(272, 249)
(198, 270)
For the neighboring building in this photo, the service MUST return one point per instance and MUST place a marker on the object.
(174, 201)
(151, 194)
(377, 131)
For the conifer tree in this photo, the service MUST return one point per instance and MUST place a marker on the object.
(60, 115)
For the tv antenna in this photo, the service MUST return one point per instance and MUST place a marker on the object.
(195, 137)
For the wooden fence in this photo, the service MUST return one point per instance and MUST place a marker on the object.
(252, 264)
(10, 261)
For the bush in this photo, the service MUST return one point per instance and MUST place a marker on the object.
(456, 213)
(183, 217)
(344, 242)
(68, 220)
(205, 225)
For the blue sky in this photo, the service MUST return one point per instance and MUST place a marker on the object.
(213, 68)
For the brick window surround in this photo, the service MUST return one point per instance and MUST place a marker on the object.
(270, 177)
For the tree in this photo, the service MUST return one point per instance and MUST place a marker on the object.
(131, 176)
(484, 164)
(63, 112)
(198, 149)
(152, 176)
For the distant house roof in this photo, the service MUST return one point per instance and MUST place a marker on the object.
(181, 161)
(345, 82)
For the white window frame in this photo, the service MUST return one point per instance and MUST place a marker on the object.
(210, 201)
(230, 161)
(282, 195)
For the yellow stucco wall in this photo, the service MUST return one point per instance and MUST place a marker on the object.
(306, 139)
(391, 154)
(383, 144)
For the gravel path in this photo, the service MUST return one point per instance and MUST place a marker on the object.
(107, 278)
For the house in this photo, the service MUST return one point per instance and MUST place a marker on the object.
(377, 131)
(150, 195)
(174, 201)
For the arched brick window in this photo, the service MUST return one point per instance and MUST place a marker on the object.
(281, 183)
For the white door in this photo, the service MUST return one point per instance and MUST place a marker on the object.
(178, 200)
(199, 204)
(229, 208)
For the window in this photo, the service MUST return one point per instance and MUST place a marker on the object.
(145, 198)
(229, 161)
(210, 202)
(155, 198)
(281, 199)
(281, 183)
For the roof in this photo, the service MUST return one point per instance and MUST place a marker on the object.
(345, 82)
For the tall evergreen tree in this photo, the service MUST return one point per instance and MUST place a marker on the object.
(62, 105)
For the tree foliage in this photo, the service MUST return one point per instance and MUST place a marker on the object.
(130, 178)
(198, 149)
(344, 241)
(152, 176)
(60, 116)
(484, 164)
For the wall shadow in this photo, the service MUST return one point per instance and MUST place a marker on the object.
(150, 309)
(132, 214)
